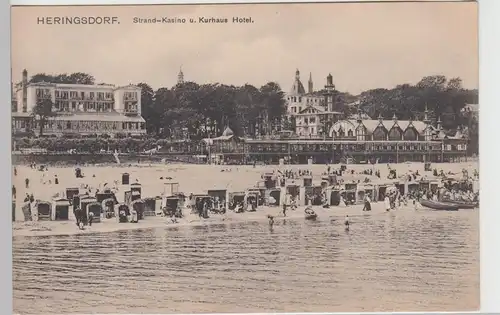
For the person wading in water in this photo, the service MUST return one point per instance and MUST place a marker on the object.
(346, 222)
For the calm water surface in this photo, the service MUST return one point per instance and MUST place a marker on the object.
(390, 262)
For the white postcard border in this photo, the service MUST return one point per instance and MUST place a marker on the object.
(489, 98)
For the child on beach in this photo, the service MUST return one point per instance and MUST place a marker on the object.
(346, 222)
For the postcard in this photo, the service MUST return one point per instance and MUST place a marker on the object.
(243, 158)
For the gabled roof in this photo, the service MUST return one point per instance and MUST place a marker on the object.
(312, 109)
(372, 124)
(228, 132)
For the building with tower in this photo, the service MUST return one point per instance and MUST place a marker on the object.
(79, 109)
(180, 76)
(314, 112)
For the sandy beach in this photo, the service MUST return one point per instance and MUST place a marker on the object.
(191, 179)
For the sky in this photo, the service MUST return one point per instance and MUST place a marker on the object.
(363, 46)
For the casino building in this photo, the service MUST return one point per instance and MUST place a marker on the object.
(324, 136)
(79, 109)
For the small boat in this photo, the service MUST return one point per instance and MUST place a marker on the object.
(436, 205)
(310, 214)
(461, 204)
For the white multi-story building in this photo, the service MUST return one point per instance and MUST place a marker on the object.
(313, 112)
(80, 109)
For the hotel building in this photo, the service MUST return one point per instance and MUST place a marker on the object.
(313, 112)
(79, 109)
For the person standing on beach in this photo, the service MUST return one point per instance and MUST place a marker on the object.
(387, 203)
(14, 192)
(91, 218)
(284, 209)
(27, 182)
(367, 206)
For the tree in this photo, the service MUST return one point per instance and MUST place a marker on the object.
(148, 109)
(42, 111)
(74, 78)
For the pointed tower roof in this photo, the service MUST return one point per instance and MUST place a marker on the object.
(297, 87)
(180, 76)
(426, 115)
(459, 133)
(228, 132)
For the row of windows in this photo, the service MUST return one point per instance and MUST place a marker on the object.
(43, 93)
(72, 106)
(130, 96)
(294, 148)
(81, 95)
(94, 125)
(346, 147)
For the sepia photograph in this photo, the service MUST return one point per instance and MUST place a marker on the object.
(245, 158)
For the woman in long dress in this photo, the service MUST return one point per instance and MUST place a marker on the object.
(342, 202)
(387, 203)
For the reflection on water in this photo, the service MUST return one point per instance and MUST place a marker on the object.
(390, 262)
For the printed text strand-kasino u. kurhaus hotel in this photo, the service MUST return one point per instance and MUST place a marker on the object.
(199, 20)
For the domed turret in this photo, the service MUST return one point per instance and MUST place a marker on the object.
(297, 87)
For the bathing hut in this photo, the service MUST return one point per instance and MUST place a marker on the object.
(125, 178)
(219, 197)
(333, 195)
(44, 210)
(96, 209)
(70, 192)
(106, 194)
(122, 213)
(170, 188)
(136, 190)
(380, 193)
(139, 206)
(313, 194)
(27, 212)
(78, 173)
(170, 204)
(434, 185)
(350, 192)
(259, 194)
(236, 198)
(270, 180)
(325, 181)
(252, 197)
(361, 192)
(273, 197)
(197, 204)
(61, 209)
(424, 184)
(127, 197)
(412, 187)
(370, 191)
(401, 186)
(292, 189)
(150, 207)
(307, 181)
(108, 207)
(84, 202)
